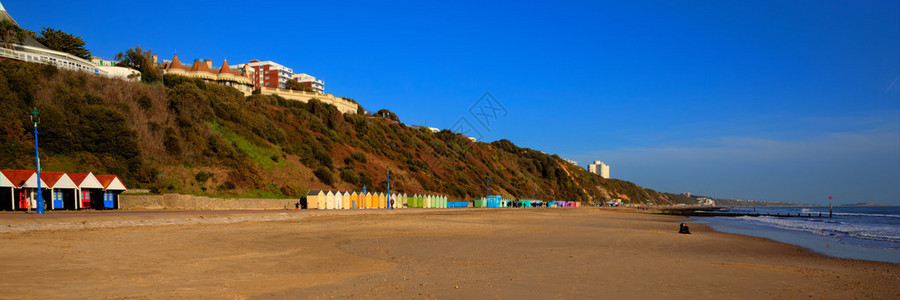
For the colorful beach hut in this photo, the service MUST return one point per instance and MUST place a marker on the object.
(314, 198)
(25, 188)
(404, 201)
(338, 200)
(112, 187)
(345, 200)
(367, 203)
(354, 200)
(382, 200)
(89, 189)
(62, 190)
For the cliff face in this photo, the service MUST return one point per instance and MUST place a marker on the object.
(190, 137)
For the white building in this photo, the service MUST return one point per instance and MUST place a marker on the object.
(30, 50)
(113, 71)
(317, 85)
(599, 168)
(571, 162)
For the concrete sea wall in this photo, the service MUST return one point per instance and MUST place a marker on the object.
(191, 202)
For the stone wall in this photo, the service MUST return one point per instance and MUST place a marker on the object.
(342, 105)
(190, 202)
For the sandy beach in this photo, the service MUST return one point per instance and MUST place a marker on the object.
(412, 253)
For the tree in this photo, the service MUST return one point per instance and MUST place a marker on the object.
(11, 33)
(63, 42)
(384, 113)
(138, 59)
(297, 86)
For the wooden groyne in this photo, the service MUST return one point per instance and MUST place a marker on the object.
(725, 212)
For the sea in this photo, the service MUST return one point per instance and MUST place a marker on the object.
(860, 232)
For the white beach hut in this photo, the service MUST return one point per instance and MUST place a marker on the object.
(89, 192)
(25, 188)
(329, 200)
(62, 190)
(112, 187)
(338, 200)
(7, 201)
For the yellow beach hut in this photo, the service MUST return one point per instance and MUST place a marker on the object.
(312, 199)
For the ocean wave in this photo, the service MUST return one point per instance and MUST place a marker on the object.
(817, 226)
(814, 211)
(867, 215)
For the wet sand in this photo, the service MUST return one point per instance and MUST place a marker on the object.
(413, 253)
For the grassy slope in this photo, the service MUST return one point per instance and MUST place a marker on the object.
(190, 137)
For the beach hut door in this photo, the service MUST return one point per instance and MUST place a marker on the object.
(57, 199)
(85, 199)
(108, 200)
(23, 200)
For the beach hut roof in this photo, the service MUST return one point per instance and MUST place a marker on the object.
(111, 182)
(23, 178)
(330, 193)
(57, 180)
(314, 192)
(5, 182)
(85, 180)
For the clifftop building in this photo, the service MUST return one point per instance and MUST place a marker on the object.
(203, 69)
(599, 168)
(266, 74)
(316, 85)
(30, 50)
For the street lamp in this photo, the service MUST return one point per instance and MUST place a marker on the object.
(36, 119)
(389, 187)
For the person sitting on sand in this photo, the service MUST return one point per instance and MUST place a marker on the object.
(684, 229)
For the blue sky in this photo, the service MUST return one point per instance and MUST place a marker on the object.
(764, 100)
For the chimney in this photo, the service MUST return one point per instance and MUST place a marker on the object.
(209, 63)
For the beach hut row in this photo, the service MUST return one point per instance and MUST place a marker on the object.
(318, 199)
(428, 201)
(565, 204)
(60, 190)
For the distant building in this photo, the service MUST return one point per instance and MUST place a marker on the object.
(316, 85)
(572, 162)
(266, 74)
(704, 201)
(599, 168)
(113, 71)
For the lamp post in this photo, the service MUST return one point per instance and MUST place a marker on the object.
(36, 119)
(389, 187)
